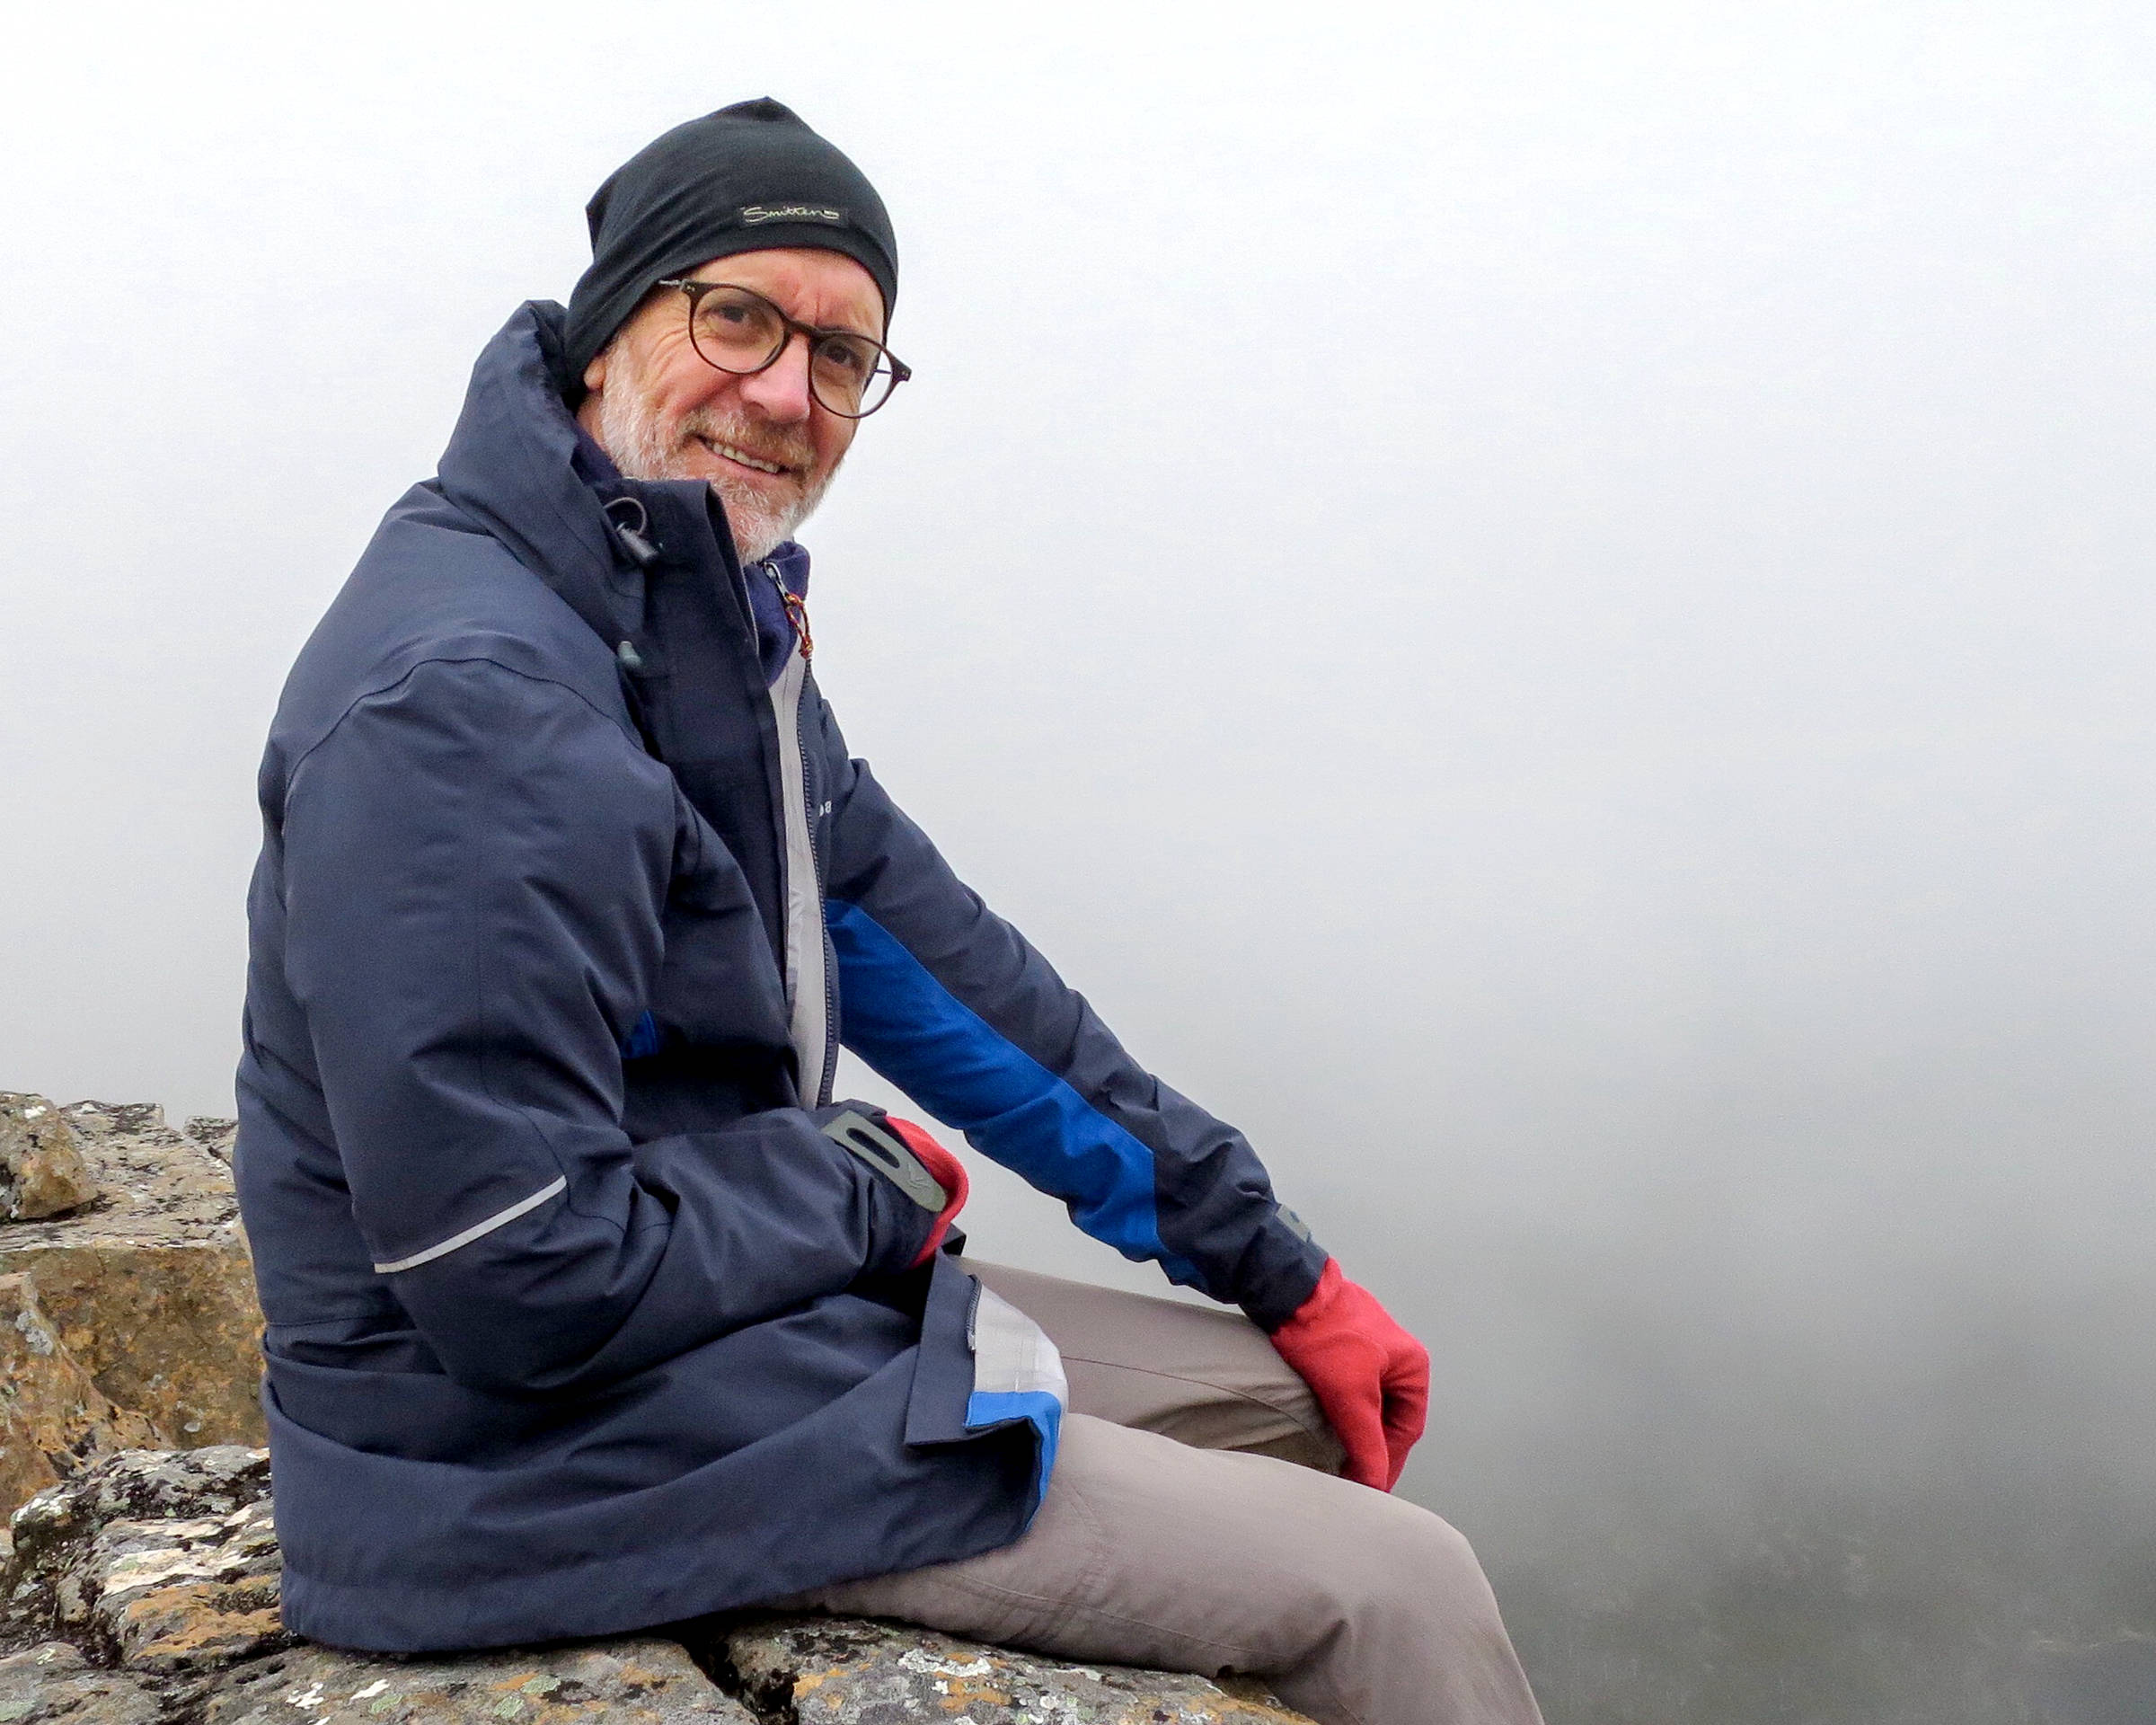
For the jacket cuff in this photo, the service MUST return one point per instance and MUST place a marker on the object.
(905, 1201)
(1280, 1271)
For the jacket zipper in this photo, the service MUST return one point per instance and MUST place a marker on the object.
(808, 945)
(821, 934)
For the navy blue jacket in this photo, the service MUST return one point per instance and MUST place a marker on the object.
(586, 1309)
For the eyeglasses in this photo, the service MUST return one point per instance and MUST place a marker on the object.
(738, 331)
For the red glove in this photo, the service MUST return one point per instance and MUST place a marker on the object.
(1371, 1376)
(949, 1173)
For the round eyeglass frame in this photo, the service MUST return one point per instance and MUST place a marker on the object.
(695, 290)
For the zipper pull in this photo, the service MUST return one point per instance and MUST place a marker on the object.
(797, 608)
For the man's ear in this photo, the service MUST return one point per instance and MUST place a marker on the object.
(595, 374)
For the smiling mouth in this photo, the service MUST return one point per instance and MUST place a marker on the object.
(741, 457)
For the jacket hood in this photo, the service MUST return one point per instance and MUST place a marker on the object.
(512, 465)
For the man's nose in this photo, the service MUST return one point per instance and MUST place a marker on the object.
(780, 390)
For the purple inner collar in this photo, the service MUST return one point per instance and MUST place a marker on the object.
(774, 629)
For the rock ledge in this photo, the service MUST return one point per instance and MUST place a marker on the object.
(139, 1582)
(145, 1588)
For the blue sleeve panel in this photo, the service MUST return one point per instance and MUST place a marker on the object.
(948, 1002)
(918, 1034)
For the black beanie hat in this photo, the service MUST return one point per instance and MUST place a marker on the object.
(746, 179)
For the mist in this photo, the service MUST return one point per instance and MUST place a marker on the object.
(1546, 607)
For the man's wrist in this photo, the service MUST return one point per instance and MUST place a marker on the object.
(1280, 1271)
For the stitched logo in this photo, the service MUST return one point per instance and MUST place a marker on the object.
(756, 215)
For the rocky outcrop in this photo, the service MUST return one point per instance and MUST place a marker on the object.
(140, 1585)
(53, 1418)
(160, 1560)
(160, 1571)
(41, 1169)
(214, 1135)
(622, 1683)
(146, 1588)
(54, 1685)
(841, 1671)
(641, 1681)
(147, 1284)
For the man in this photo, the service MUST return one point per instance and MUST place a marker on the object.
(588, 1310)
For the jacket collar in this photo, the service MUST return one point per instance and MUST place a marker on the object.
(514, 464)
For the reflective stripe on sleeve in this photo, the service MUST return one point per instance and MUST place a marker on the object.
(496, 1220)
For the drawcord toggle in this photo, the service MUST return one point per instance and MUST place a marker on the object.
(634, 539)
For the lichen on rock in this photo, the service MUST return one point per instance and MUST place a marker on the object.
(632, 1681)
(214, 1133)
(54, 1685)
(163, 1561)
(53, 1418)
(42, 1171)
(845, 1671)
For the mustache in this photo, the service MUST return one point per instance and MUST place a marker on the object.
(789, 448)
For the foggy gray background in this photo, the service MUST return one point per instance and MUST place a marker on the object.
(1547, 607)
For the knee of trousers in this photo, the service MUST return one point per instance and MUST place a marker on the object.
(1399, 1575)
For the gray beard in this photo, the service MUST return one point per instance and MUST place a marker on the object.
(643, 448)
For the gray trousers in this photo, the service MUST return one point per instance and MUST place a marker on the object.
(1179, 1532)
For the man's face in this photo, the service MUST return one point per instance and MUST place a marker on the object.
(762, 441)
